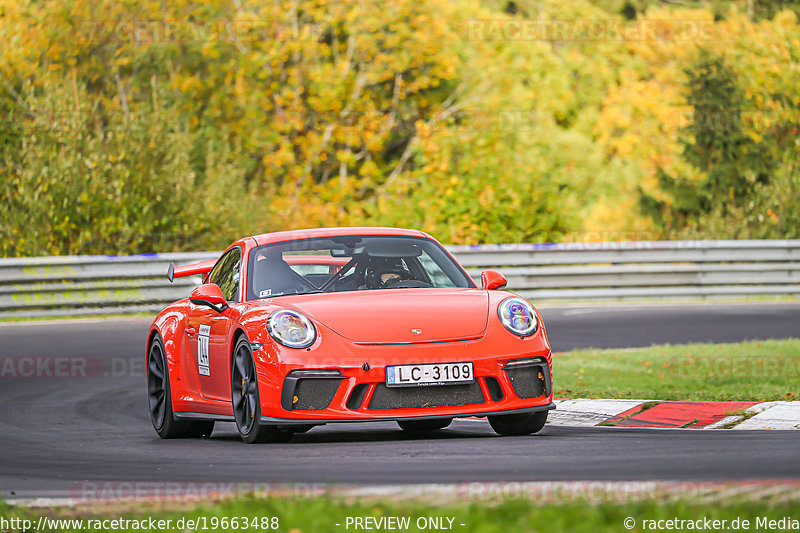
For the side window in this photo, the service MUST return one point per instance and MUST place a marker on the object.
(226, 274)
(435, 272)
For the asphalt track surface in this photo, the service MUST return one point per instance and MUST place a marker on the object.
(56, 432)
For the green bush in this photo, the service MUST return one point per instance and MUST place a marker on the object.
(77, 181)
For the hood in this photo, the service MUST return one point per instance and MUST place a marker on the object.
(389, 316)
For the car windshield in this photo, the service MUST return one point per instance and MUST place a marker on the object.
(351, 263)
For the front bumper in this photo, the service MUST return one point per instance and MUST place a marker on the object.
(521, 382)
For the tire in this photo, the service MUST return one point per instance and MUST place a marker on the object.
(424, 427)
(159, 397)
(245, 399)
(519, 424)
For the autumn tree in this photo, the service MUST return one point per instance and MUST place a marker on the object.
(715, 143)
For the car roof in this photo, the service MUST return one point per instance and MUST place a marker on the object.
(283, 236)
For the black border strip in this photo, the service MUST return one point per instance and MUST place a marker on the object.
(267, 420)
(203, 416)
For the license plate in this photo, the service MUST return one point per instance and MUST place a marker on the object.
(432, 374)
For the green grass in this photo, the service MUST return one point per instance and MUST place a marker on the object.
(757, 371)
(323, 513)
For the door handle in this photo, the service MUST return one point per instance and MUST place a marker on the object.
(190, 331)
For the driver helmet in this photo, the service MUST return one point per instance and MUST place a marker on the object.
(384, 272)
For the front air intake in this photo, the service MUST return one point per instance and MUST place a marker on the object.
(419, 397)
(314, 394)
(310, 390)
(527, 381)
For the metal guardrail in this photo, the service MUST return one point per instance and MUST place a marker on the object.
(96, 284)
(608, 271)
(642, 270)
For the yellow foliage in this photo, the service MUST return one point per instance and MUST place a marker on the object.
(404, 112)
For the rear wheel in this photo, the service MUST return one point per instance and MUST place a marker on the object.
(244, 395)
(160, 399)
(519, 424)
(422, 427)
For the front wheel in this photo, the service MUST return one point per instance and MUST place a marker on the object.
(519, 424)
(159, 398)
(244, 395)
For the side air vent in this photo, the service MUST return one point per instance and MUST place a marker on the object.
(495, 391)
(357, 396)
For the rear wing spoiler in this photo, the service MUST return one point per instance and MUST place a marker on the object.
(202, 267)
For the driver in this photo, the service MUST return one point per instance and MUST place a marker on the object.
(383, 273)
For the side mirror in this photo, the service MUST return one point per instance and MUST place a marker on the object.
(493, 280)
(210, 295)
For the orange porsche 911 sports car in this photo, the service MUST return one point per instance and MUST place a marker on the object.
(296, 329)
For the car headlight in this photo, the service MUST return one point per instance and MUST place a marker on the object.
(291, 328)
(518, 316)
